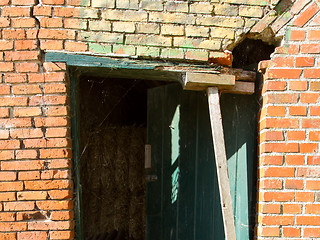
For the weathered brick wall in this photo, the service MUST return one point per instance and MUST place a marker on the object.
(289, 197)
(35, 158)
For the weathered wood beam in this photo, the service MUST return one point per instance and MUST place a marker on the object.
(200, 81)
(221, 163)
(246, 88)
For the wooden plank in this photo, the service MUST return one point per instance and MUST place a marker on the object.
(200, 81)
(221, 163)
(242, 88)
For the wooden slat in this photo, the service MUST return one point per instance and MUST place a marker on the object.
(221, 163)
(200, 81)
(242, 88)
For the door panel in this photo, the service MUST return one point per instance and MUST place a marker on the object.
(184, 202)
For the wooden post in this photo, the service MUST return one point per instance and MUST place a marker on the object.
(221, 163)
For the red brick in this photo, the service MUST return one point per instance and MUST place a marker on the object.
(26, 154)
(27, 112)
(54, 67)
(42, 10)
(282, 98)
(54, 205)
(4, 22)
(4, 89)
(23, 165)
(270, 208)
(310, 123)
(51, 44)
(50, 225)
(297, 110)
(308, 147)
(304, 61)
(35, 143)
(282, 123)
(6, 67)
(291, 232)
(315, 86)
(294, 159)
(311, 232)
(51, 122)
(287, 49)
(294, 184)
(306, 15)
(314, 136)
(308, 220)
(295, 35)
(313, 185)
(6, 45)
(75, 46)
(32, 235)
(65, 12)
(314, 35)
(4, 134)
(313, 160)
(23, 22)
(11, 102)
(292, 208)
(55, 77)
(298, 85)
(13, 226)
(73, 23)
(61, 34)
(314, 110)
(313, 208)
(278, 196)
(6, 155)
(308, 172)
(277, 172)
(55, 153)
(47, 184)
(7, 196)
(54, 88)
(57, 132)
(15, 122)
(49, 100)
(9, 144)
(312, 73)
(304, 196)
(269, 232)
(276, 111)
(32, 195)
(55, 174)
(15, 78)
(14, 34)
(276, 85)
(4, 112)
(277, 220)
(22, 55)
(62, 234)
(53, 2)
(8, 236)
(7, 217)
(310, 48)
(60, 194)
(271, 136)
(16, 11)
(32, 33)
(27, 67)
(29, 175)
(51, 22)
(26, 133)
(18, 206)
(61, 215)
(270, 184)
(23, 2)
(284, 73)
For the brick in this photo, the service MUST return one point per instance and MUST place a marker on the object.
(74, 23)
(282, 123)
(276, 111)
(308, 220)
(310, 48)
(16, 11)
(308, 172)
(25, 44)
(124, 50)
(173, 30)
(298, 111)
(50, 22)
(277, 172)
(57, 34)
(47, 184)
(313, 185)
(151, 5)
(32, 195)
(22, 55)
(294, 159)
(42, 10)
(312, 73)
(52, 68)
(309, 97)
(58, 142)
(6, 67)
(50, 225)
(4, 22)
(104, 4)
(14, 34)
(6, 155)
(172, 53)
(127, 15)
(127, 4)
(23, 23)
(312, 208)
(219, 32)
(294, 184)
(148, 40)
(53, 2)
(276, 85)
(55, 153)
(298, 85)
(13, 226)
(295, 35)
(251, 11)
(291, 232)
(6, 45)
(197, 55)
(49, 100)
(269, 231)
(287, 49)
(27, 67)
(218, 21)
(18, 206)
(311, 232)
(32, 235)
(104, 37)
(29, 175)
(176, 7)
(310, 123)
(308, 147)
(23, 165)
(313, 160)
(197, 31)
(51, 44)
(282, 98)
(148, 28)
(26, 154)
(4, 113)
(298, 6)
(8, 176)
(314, 136)
(278, 196)
(15, 78)
(270, 184)
(306, 15)
(284, 73)
(26, 89)
(62, 234)
(100, 25)
(304, 61)
(62, 215)
(128, 27)
(54, 205)
(190, 43)
(226, 10)
(314, 35)
(75, 46)
(277, 220)
(60, 194)
(315, 86)
(269, 208)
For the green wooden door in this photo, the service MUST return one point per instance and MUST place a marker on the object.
(183, 203)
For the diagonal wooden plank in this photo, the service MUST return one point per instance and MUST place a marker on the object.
(221, 163)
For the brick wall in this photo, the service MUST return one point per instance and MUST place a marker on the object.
(289, 197)
(35, 158)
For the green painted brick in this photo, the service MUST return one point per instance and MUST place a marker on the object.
(197, 55)
(148, 51)
(124, 49)
(172, 53)
(100, 48)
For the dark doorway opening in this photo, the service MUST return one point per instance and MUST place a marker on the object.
(113, 118)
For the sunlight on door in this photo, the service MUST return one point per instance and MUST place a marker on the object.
(175, 152)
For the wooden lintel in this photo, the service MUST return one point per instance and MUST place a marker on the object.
(201, 81)
(221, 163)
(246, 88)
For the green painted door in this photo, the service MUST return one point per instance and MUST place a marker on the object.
(183, 203)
